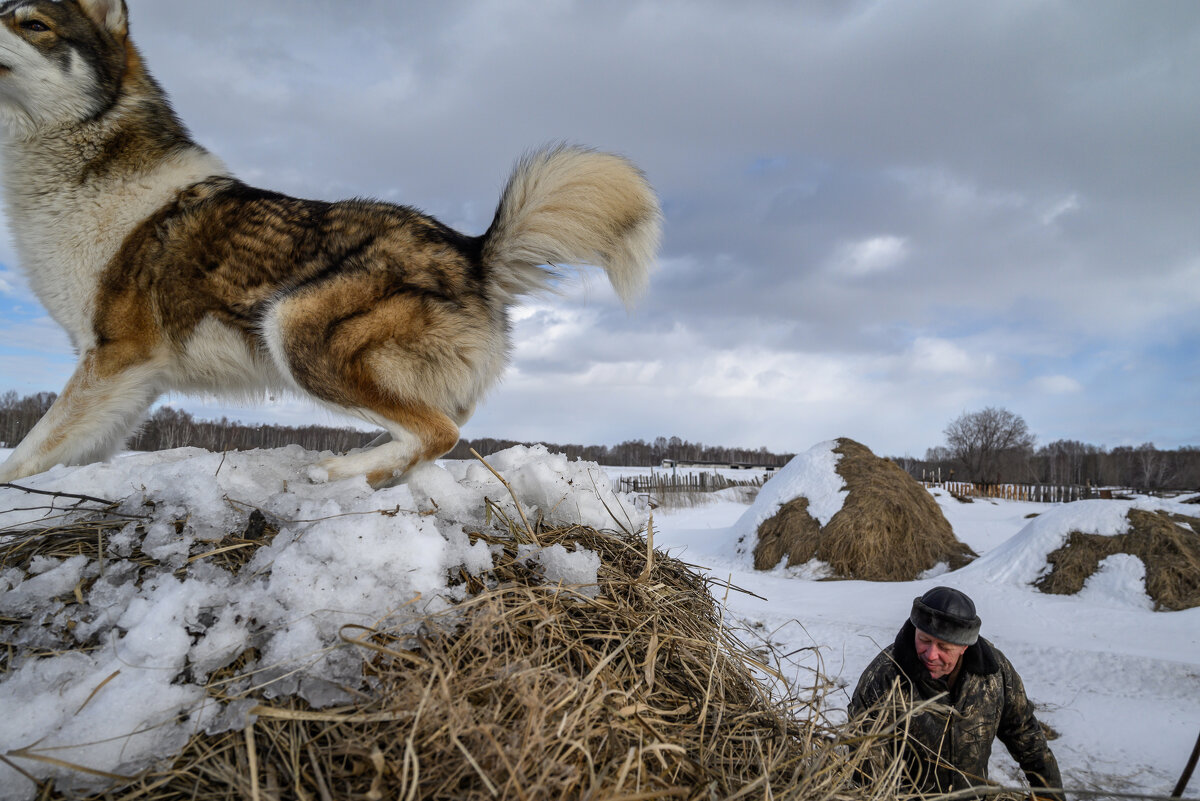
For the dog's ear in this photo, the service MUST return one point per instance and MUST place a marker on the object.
(108, 14)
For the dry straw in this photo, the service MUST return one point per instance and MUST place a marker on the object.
(524, 690)
(889, 528)
(1168, 545)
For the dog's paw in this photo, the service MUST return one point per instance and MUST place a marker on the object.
(13, 469)
(380, 466)
(317, 473)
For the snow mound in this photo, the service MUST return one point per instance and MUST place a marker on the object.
(344, 558)
(1021, 560)
(562, 492)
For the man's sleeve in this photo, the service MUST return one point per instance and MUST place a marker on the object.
(873, 753)
(1022, 735)
(873, 684)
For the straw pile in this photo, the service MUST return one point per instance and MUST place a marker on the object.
(1168, 545)
(524, 690)
(889, 528)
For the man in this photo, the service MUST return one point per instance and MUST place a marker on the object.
(965, 694)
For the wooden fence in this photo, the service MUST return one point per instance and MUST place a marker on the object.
(1036, 493)
(657, 483)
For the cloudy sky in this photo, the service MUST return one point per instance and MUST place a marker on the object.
(878, 214)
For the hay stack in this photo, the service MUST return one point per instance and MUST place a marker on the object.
(889, 528)
(1168, 545)
(523, 690)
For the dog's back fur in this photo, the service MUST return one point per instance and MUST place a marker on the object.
(170, 274)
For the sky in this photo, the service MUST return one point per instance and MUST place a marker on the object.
(878, 215)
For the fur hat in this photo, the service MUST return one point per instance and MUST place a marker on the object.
(947, 614)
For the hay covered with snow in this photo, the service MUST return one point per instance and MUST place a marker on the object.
(1166, 544)
(858, 514)
(334, 642)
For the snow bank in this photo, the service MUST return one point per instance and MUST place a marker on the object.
(345, 556)
(1114, 678)
(562, 492)
(1022, 558)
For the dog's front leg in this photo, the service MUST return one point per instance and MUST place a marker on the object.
(105, 398)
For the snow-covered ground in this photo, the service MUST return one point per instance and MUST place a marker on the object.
(1120, 682)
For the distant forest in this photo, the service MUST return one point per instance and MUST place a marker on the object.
(995, 446)
(173, 428)
(1067, 462)
(988, 446)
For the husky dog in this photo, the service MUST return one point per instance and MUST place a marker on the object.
(170, 274)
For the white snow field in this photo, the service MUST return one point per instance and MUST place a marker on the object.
(1118, 681)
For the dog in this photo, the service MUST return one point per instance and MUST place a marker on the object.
(170, 274)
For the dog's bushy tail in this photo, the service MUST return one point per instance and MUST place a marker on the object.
(570, 205)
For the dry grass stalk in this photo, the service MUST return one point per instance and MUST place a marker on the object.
(524, 690)
(889, 528)
(1168, 545)
(91, 537)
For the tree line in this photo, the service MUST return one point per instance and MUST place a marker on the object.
(636, 452)
(994, 446)
(989, 446)
(167, 427)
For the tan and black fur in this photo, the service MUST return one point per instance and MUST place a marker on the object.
(170, 274)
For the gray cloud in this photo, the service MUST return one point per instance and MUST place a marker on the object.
(883, 212)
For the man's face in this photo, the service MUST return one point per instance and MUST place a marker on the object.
(938, 656)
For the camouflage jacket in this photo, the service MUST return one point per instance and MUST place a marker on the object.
(949, 741)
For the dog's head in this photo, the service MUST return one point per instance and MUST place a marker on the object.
(61, 61)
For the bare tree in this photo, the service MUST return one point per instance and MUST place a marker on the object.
(1067, 461)
(989, 440)
(1151, 467)
(939, 453)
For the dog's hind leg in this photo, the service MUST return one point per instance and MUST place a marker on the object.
(418, 434)
(382, 360)
(105, 398)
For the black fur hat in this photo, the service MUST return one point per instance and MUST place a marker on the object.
(947, 614)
